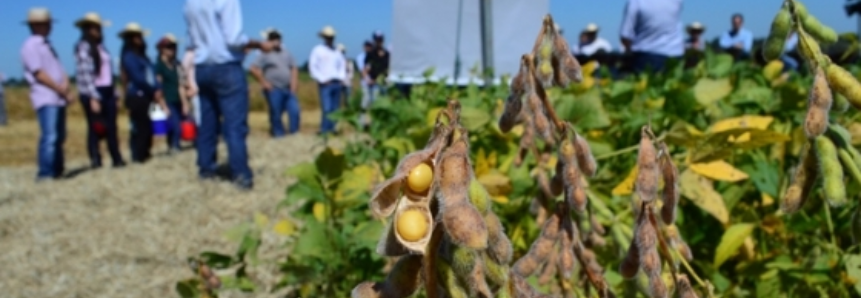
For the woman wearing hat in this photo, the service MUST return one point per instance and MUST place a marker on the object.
(94, 79)
(169, 74)
(141, 89)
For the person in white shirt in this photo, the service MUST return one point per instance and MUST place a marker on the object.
(591, 43)
(328, 67)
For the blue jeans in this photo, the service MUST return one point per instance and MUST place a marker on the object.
(330, 101)
(649, 62)
(280, 100)
(52, 122)
(223, 92)
(174, 124)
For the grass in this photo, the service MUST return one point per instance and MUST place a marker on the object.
(20, 137)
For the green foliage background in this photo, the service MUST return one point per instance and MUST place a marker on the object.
(812, 253)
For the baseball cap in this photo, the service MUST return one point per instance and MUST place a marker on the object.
(378, 34)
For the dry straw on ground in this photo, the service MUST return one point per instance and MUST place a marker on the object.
(127, 232)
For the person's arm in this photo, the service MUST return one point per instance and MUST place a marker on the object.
(747, 41)
(366, 72)
(294, 76)
(230, 21)
(629, 21)
(191, 82)
(725, 40)
(257, 72)
(314, 65)
(84, 72)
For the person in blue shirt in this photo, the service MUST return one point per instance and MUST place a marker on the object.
(215, 32)
(652, 32)
(789, 62)
(737, 41)
(141, 90)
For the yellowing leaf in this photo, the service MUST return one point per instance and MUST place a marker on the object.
(773, 69)
(744, 137)
(589, 68)
(708, 91)
(746, 121)
(261, 220)
(482, 165)
(719, 170)
(731, 240)
(284, 228)
(700, 191)
(431, 116)
(319, 211)
(517, 130)
(767, 200)
(356, 182)
(626, 187)
(500, 199)
(496, 183)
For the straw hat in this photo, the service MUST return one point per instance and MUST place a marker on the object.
(591, 28)
(170, 37)
(39, 15)
(327, 31)
(92, 18)
(133, 28)
(696, 26)
(166, 40)
(265, 33)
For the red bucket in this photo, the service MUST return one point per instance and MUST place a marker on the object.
(188, 131)
(99, 128)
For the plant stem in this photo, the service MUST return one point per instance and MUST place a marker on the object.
(560, 125)
(626, 150)
(689, 268)
(830, 225)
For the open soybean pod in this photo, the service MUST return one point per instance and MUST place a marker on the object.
(832, 171)
(803, 181)
(844, 83)
(780, 27)
(543, 53)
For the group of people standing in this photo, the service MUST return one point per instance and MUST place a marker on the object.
(209, 86)
(652, 32)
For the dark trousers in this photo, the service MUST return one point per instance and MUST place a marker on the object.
(223, 91)
(141, 135)
(648, 62)
(108, 117)
(174, 122)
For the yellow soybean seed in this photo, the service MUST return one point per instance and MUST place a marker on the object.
(420, 178)
(412, 225)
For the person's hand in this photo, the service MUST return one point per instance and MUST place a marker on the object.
(185, 109)
(95, 106)
(165, 109)
(739, 46)
(293, 90)
(266, 86)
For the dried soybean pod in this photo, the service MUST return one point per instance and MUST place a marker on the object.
(844, 83)
(540, 249)
(575, 195)
(818, 105)
(548, 271)
(566, 249)
(543, 52)
(557, 183)
(647, 235)
(684, 287)
(567, 68)
(849, 165)
(513, 105)
(401, 282)
(585, 160)
(776, 40)
(657, 287)
(832, 171)
(499, 246)
(631, 263)
(464, 224)
(646, 185)
(671, 186)
(803, 180)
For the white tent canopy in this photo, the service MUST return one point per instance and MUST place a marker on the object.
(424, 36)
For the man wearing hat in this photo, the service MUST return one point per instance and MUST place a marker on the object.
(695, 37)
(591, 43)
(277, 72)
(652, 33)
(376, 67)
(215, 32)
(329, 68)
(49, 92)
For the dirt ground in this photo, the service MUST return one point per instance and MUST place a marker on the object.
(127, 232)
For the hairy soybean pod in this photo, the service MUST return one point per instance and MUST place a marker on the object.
(832, 171)
(647, 176)
(818, 105)
(850, 165)
(671, 186)
(780, 26)
(802, 183)
(844, 83)
(540, 250)
(585, 160)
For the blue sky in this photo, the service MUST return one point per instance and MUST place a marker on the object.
(354, 20)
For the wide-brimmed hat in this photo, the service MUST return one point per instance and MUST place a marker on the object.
(327, 31)
(92, 18)
(133, 28)
(591, 28)
(696, 26)
(39, 15)
(166, 40)
(269, 31)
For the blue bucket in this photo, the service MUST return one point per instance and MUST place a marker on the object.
(159, 127)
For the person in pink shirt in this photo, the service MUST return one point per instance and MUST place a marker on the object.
(96, 88)
(49, 93)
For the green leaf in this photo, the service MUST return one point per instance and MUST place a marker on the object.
(708, 91)
(357, 182)
(731, 240)
(719, 65)
(764, 174)
(248, 246)
(331, 163)
(474, 118)
(312, 242)
(305, 172)
(853, 269)
(368, 233)
(586, 110)
(402, 145)
(216, 260)
(188, 288)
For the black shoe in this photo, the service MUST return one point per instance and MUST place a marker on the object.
(243, 184)
(120, 164)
